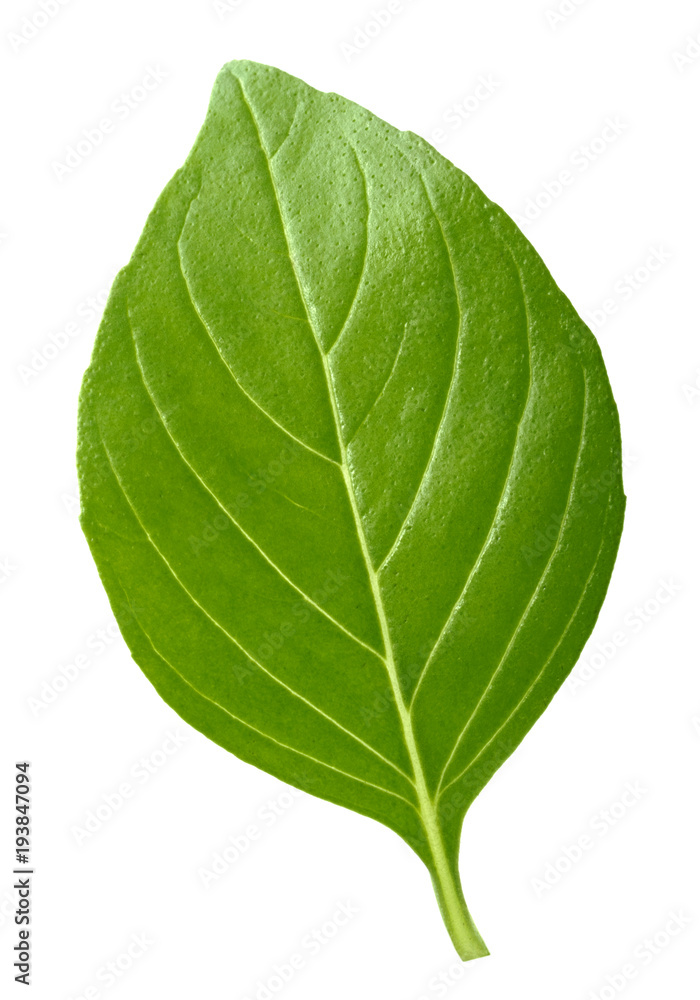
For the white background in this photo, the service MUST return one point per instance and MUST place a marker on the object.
(635, 718)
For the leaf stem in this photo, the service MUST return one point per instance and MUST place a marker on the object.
(448, 890)
(444, 873)
(457, 918)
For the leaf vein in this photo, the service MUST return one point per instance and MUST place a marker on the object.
(539, 675)
(356, 294)
(383, 389)
(287, 134)
(209, 334)
(233, 639)
(309, 600)
(267, 736)
(448, 394)
(535, 593)
(501, 501)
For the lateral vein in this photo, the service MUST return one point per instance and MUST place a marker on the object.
(501, 501)
(267, 736)
(233, 639)
(231, 372)
(535, 593)
(309, 600)
(383, 389)
(448, 394)
(539, 675)
(364, 259)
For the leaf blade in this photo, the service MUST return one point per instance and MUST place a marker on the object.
(347, 323)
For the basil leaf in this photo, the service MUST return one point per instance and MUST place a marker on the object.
(350, 463)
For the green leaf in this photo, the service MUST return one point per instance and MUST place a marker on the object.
(350, 463)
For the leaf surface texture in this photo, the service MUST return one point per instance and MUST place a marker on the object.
(349, 463)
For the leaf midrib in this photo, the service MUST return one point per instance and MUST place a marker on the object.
(426, 806)
(427, 803)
